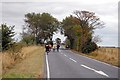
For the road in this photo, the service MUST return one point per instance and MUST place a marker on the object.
(66, 64)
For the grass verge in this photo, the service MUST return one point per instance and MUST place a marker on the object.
(30, 67)
(0, 65)
(105, 55)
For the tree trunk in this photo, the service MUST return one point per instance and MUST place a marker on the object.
(71, 43)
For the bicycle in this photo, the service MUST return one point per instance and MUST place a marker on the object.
(47, 51)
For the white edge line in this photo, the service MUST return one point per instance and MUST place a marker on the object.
(48, 70)
(73, 60)
(98, 61)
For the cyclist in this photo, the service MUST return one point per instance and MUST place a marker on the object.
(54, 46)
(47, 48)
(58, 47)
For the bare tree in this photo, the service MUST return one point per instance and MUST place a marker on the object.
(88, 22)
(97, 39)
(89, 19)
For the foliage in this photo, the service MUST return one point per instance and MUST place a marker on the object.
(27, 37)
(79, 29)
(89, 47)
(7, 34)
(15, 50)
(39, 28)
(70, 25)
(88, 22)
(42, 25)
(0, 39)
(67, 42)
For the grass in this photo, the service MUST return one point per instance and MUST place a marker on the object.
(31, 66)
(107, 55)
(0, 65)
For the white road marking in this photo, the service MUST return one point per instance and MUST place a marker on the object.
(97, 61)
(73, 60)
(65, 55)
(99, 72)
(48, 70)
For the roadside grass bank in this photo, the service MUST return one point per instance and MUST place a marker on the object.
(31, 64)
(107, 55)
(0, 65)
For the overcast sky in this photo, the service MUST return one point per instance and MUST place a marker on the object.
(13, 11)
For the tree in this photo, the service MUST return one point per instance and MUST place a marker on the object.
(7, 36)
(96, 39)
(43, 25)
(0, 39)
(68, 25)
(88, 22)
(33, 22)
(89, 47)
(27, 36)
(49, 25)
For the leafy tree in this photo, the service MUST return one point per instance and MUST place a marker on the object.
(28, 39)
(27, 36)
(67, 42)
(43, 25)
(0, 38)
(79, 30)
(88, 22)
(68, 25)
(89, 47)
(7, 34)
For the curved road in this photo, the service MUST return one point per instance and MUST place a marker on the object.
(66, 64)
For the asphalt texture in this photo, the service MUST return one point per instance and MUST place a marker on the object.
(67, 65)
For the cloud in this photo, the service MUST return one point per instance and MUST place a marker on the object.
(82, 1)
(13, 13)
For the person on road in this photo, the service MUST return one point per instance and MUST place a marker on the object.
(54, 46)
(47, 48)
(58, 46)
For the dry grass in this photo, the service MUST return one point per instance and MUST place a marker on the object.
(0, 65)
(108, 55)
(8, 59)
(31, 64)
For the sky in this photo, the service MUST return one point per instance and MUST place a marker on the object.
(12, 12)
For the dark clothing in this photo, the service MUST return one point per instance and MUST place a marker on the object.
(47, 47)
(51, 43)
(58, 47)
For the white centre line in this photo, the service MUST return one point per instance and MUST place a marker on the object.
(48, 70)
(65, 55)
(97, 60)
(73, 60)
(99, 72)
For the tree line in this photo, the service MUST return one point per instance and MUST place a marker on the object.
(79, 29)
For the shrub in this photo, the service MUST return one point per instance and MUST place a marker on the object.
(15, 50)
(89, 47)
(7, 34)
